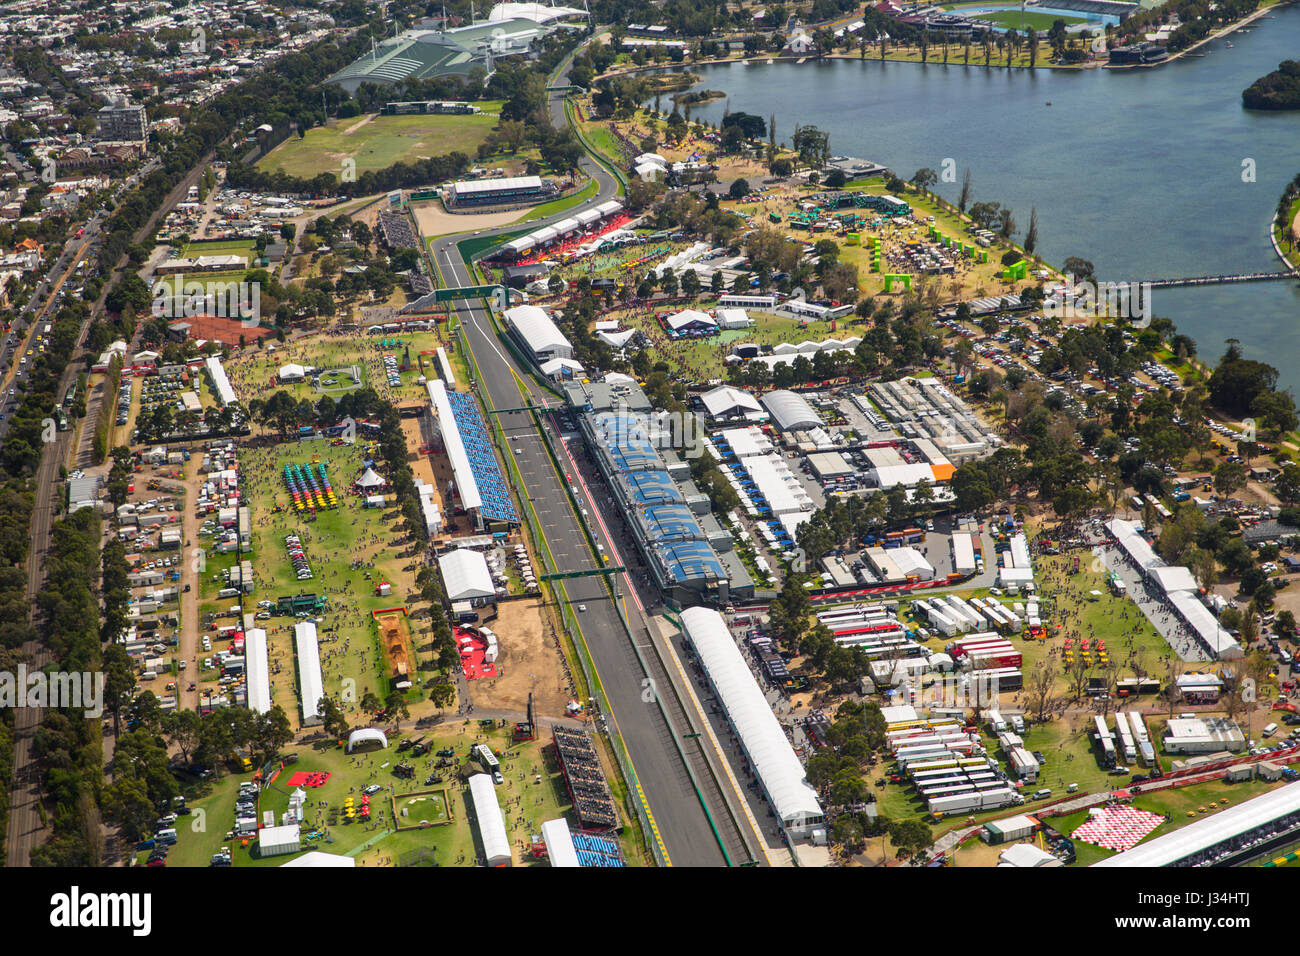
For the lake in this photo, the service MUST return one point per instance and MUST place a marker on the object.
(1149, 173)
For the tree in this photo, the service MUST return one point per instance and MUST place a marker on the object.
(1038, 691)
(964, 199)
(336, 724)
(739, 189)
(812, 145)
(912, 839)
(443, 694)
(1031, 234)
(924, 178)
(1229, 478)
(395, 707)
(1080, 268)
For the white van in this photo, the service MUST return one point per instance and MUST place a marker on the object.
(1270, 730)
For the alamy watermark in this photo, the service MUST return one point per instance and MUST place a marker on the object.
(80, 690)
(181, 298)
(682, 432)
(951, 692)
(1085, 299)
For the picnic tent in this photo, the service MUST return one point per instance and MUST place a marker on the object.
(366, 735)
(371, 479)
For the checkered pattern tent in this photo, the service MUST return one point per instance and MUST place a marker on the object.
(1117, 828)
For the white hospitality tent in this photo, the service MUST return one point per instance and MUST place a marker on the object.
(491, 824)
(371, 479)
(790, 410)
(779, 771)
(726, 400)
(292, 372)
(220, 382)
(466, 575)
(538, 332)
(559, 843)
(365, 735)
(275, 841)
(311, 685)
(258, 671)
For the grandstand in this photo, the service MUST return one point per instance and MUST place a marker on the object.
(568, 849)
(479, 482)
(396, 231)
(678, 546)
(585, 779)
(495, 192)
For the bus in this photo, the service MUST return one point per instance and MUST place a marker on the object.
(483, 753)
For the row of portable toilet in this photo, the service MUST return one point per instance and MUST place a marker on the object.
(525, 567)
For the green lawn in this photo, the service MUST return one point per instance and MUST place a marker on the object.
(532, 793)
(377, 142)
(560, 205)
(1174, 804)
(1035, 21)
(220, 247)
(332, 542)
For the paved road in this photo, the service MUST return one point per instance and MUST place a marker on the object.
(668, 780)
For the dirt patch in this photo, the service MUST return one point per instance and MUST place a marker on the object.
(395, 641)
(528, 661)
(365, 120)
(436, 221)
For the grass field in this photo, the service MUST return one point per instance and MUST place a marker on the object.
(332, 542)
(1174, 804)
(532, 793)
(377, 142)
(220, 247)
(1012, 19)
(560, 205)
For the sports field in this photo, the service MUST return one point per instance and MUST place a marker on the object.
(376, 142)
(1013, 19)
(220, 247)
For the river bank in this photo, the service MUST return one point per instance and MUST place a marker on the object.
(909, 53)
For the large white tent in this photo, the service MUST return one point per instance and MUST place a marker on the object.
(559, 843)
(465, 575)
(726, 401)
(311, 686)
(779, 771)
(538, 333)
(790, 410)
(274, 841)
(293, 372)
(258, 671)
(371, 479)
(491, 823)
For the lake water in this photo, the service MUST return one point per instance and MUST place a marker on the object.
(1144, 172)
